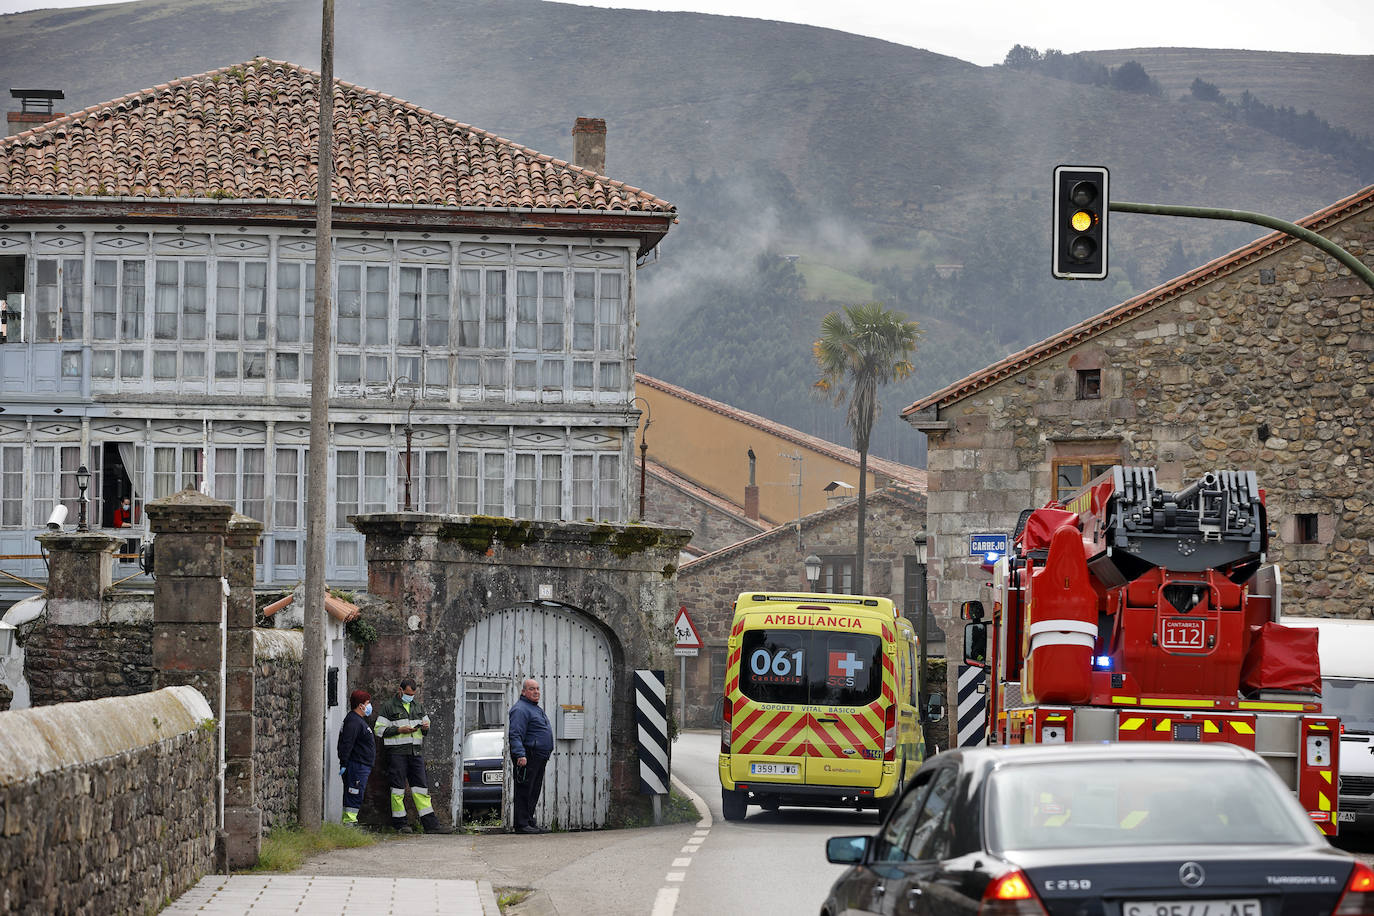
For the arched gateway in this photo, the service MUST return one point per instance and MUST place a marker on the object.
(471, 605)
(571, 657)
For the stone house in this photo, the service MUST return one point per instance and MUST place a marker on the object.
(1257, 360)
(157, 273)
(773, 561)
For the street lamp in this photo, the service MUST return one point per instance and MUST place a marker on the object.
(395, 387)
(83, 480)
(643, 452)
(813, 570)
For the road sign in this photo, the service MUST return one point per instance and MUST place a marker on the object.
(686, 653)
(980, 545)
(651, 723)
(686, 632)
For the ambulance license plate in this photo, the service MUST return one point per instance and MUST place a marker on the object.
(1250, 907)
(773, 769)
(491, 777)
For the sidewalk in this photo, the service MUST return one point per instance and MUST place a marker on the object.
(268, 895)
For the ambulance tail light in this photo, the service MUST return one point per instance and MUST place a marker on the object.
(725, 712)
(1358, 899)
(890, 740)
(1010, 895)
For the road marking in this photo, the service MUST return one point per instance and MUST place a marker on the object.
(675, 876)
(665, 902)
(682, 863)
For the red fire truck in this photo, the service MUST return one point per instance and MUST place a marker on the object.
(1129, 613)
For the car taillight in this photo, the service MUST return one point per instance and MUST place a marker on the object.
(467, 776)
(890, 740)
(1358, 899)
(725, 712)
(1010, 895)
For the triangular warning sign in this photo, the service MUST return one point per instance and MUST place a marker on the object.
(686, 631)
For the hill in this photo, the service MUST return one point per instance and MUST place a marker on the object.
(810, 167)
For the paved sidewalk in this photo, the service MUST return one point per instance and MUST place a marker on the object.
(269, 895)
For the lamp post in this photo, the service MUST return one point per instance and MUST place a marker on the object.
(922, 546)
(643, 452)
(813, 570)
(395, 387)
(83, 480)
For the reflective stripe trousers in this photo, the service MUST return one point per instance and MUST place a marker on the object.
(400, 769)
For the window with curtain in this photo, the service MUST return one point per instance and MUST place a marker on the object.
(435, 481)
(288, 509)
(551, 487)
(240, 479)
(176, 467)
(465, 497)
(58, 308)
(359, 483)
(296, 302)
(494, 483)
(608, 502)
(12, 487)
(583, 507)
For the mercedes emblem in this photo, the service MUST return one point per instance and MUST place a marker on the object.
(1191, 874)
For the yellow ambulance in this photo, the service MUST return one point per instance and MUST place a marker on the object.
(820, 704)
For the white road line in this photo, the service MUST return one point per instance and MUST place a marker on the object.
(682, 863)
(665, 902)
(676, 876)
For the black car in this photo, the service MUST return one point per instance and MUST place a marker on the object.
(484, 768)
(1098, 830)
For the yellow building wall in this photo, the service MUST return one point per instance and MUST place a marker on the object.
(711, 449)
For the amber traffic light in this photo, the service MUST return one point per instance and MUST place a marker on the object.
(1080, 222)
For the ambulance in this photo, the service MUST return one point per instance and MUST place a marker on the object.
(820, 704)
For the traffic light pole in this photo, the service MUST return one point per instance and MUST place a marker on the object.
(1356, 266)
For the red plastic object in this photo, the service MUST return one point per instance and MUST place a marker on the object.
(1061, 624)
(1042, 525)
(1283, 658)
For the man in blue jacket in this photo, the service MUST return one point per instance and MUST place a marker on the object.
(531, 746)
(357, 753)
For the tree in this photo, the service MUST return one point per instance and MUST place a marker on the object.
(862, 348)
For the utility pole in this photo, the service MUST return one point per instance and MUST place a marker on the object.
(310, 773)
(797, 457)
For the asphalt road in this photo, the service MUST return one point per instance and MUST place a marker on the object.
(769, 863)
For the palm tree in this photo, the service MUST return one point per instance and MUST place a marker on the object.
(862, 348)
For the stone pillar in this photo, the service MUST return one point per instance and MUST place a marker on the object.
(80, 569)
(189, 603)
(242, 813)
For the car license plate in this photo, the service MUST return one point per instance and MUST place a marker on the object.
(773, 769)
(1191, 908)
(491, 777)
(1343, 816)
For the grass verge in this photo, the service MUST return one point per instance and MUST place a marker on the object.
(286, 848)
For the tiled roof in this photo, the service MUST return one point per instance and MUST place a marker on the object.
(905, 495)
(249, 132)
(1140, 305)
(902, 473)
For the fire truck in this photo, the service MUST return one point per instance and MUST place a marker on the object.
(1131, 613)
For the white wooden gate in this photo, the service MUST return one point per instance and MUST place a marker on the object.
(572, 660)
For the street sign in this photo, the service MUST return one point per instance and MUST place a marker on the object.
(686, 632)
(980, 545)
(686, 653)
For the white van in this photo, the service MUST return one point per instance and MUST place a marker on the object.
(1346, 649)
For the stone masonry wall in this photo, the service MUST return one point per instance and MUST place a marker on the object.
(116, 818)
(711, 528)
(774, 562)
(68, 663)
(1266, 368)
(276, 721)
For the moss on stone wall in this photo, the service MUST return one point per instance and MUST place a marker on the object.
(481, 532)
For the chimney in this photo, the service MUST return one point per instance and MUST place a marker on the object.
(35, 107)
(589, 144)
(751, 492)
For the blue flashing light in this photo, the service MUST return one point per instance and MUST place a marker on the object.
(1103, 662)
(990, 560)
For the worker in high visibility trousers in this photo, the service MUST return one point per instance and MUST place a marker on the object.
(402, 725)
(357, 753)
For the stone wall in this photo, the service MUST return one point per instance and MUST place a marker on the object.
(66, 663)
(712, 527)
(106, 806)
(1264, 364)
(276, 722)
(708, 587)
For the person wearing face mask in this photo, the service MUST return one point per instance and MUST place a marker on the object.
(402, 724)
(357, 753)
(123, 515)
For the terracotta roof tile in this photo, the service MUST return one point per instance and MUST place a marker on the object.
(1139, 305)
(248, 132)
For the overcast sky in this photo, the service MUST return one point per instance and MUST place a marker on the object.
(982, 31)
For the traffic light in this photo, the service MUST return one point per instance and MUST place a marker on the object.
(1080, 222)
